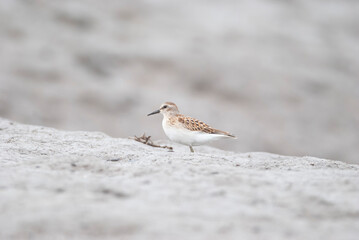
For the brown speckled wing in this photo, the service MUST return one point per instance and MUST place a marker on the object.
(197, 125)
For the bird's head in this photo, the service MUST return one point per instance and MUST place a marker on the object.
(168, 108)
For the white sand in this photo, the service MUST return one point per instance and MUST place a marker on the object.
(60, 185)
(282, 75)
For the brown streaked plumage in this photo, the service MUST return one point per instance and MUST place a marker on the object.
(193, 124)
(187, 130)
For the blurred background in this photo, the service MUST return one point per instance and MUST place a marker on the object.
(283, 76)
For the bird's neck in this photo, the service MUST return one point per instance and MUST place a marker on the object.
(170, 114)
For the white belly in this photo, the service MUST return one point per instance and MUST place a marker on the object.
(187, 137)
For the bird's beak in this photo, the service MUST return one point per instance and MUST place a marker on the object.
(155, 112)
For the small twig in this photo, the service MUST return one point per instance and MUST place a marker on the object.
(114, 160)
(147, 140)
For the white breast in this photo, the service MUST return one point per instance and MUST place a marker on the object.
(187, 137)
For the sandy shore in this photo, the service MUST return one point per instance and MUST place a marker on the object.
(281, 75)
(62, 185)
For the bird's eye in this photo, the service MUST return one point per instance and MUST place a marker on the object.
(165, 106)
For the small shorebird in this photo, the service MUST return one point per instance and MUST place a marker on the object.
(186, 130)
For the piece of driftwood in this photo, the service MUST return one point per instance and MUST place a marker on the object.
(147, 140)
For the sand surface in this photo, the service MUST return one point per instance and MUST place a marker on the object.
(62, 185)
(281, 75)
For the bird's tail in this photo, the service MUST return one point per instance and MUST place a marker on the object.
(224, 133)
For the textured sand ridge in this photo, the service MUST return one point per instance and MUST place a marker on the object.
(62, 185)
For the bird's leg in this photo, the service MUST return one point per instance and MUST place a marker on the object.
(190, 147)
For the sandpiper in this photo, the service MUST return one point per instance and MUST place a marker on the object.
(186, 130)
